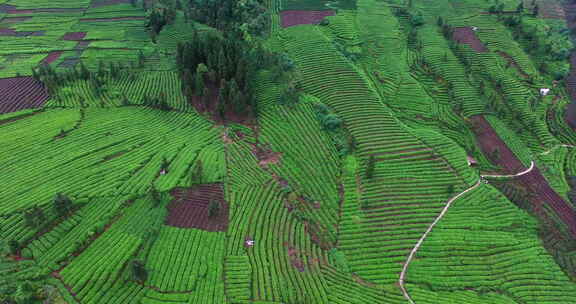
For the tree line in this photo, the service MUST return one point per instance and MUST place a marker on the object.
(242, 18)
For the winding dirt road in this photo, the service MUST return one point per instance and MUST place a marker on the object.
(444, 210)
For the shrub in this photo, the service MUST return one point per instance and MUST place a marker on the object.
(331, 122)
(213, 209)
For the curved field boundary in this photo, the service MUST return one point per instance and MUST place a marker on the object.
(555, 147)
(440, 216)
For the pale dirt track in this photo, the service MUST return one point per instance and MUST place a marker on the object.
(442, 213)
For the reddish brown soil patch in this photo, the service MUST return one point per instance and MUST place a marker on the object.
(82, 45)
(265, 155)
(4, 8)
(294, 17)
(11, 9)
(53, 56)
(534, 181)
(466, 35)
(74, 36)
(11, 32)
(99, 3)
(295, 260)
(20, 93)
(112, 19)
(189, 209)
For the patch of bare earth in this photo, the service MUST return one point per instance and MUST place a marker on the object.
(466, 35)
(189, 209)
(266, 156)
(295, 260)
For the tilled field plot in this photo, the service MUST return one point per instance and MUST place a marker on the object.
(21, 93)
(189, 209)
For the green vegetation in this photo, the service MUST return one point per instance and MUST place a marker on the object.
(291, 151)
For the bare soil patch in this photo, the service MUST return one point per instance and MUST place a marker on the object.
(466, 35)
(189, 209)
(20, 93)
(295, 17)
(295, 260)
(99, 3)
(13, 33)
(53, 56)
(265, 155)
(74, 36)
(11, 9)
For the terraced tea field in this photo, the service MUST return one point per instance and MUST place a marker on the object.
(287, 151)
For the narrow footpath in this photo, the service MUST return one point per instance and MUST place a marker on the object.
(442, 213)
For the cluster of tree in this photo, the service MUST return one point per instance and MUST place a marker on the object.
(549, 39)
(225, 63)
(139, 272)
(345, 51)
(498, 8)
(415, 16)
(63, 205)
(24, 292)
(34, 217)
(242, 18)
(338, 259)
(158, 18)
(292, 94)
(370, 165)
(159, 102)
(53, 79)
(328, 120)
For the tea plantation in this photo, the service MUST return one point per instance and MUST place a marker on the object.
(288, 151)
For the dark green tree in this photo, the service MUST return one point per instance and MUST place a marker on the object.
(495, 155)
(370, 167)
(14, 247)
(34, 217)
(62, 204)
(139, 272)
(213, 208)
(141, 59)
